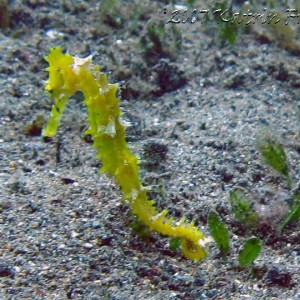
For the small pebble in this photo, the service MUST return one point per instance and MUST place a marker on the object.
(6, 270)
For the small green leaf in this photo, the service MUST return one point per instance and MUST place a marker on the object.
(175, 244)
(273, 153)
(294, 213)
(191, 2)
(271, 4)
(250, 252)
(242, 208)
(228, 29)
(229, 32)
(219, 232)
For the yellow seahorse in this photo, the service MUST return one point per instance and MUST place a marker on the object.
(68, 75)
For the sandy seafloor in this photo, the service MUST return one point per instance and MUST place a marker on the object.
(64, 232)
